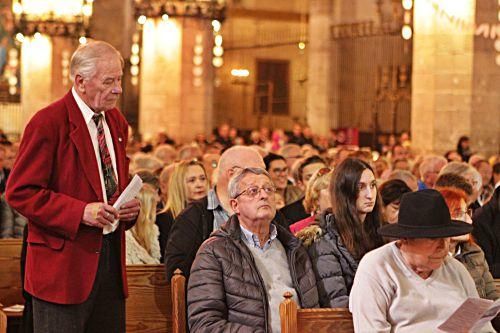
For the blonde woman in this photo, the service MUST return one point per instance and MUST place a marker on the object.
(187, 183)
(142, 239)
(317, 198)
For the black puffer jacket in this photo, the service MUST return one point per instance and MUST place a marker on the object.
(333, 264)
(226, 293)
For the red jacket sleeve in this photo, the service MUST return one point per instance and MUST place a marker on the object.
(28, 188)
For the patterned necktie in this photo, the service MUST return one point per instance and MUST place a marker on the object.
(106, 165)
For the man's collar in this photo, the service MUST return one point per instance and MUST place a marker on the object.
(213, 200)
(84, 108)
(253, 239)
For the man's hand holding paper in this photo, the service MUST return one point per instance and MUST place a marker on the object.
(129, 210)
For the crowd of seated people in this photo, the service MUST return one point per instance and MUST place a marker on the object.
(246, 219)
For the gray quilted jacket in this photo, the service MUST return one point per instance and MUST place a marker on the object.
(226, 293)
(333, 264)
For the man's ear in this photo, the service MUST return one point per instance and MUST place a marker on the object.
(79, 83)
(234, 205)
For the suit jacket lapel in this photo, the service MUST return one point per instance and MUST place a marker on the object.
(79, 135)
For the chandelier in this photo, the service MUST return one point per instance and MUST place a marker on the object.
(207, 9)
(52, 17)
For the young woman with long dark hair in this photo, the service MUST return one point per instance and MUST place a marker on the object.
(340, 239)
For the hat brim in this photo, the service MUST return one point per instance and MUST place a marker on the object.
(455, 228)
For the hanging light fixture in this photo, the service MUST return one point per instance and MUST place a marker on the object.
(406, 30)
(53, 18)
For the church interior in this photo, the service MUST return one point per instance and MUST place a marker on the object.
(405, 85)
(429, 68)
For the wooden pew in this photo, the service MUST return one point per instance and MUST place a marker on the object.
(178, 289)
(3, 322)
(153, 304)
(10, 272)
(497, 286)
(10, 281)
(294, 320)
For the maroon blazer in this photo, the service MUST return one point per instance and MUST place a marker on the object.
(54, 177)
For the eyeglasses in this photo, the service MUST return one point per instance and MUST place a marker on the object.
(463, 213)
(253, 191)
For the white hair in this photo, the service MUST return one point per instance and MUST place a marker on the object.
(84, 60)
(463, 169)
(430, 162)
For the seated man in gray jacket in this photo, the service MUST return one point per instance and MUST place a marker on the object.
(240, 274)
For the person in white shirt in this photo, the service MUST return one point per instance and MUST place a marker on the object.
(412, 284)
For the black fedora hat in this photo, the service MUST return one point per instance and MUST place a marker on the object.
(424, 214)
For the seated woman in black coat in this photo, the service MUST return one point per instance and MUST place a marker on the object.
(340, 239)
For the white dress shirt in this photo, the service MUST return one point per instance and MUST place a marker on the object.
(92, 127)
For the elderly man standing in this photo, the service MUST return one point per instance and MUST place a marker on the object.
(71, 168)
(240, 274)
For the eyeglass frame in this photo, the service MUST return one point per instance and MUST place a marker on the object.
(467, 212)
(259, 188)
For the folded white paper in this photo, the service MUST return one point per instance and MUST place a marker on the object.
(128, 194)
(471, 316)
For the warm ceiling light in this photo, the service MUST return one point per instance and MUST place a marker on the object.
(406, 32)
(240, 72)
(216, 25)
(407, 4)
(142, 19)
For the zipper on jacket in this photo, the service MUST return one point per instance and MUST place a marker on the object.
(293, 273)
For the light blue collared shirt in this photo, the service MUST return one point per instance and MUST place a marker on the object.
(252, 239)
(220, 214)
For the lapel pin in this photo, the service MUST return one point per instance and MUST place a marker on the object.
(120, 139)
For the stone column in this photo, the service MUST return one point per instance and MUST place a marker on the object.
(160, 77)
(36, 75)
(197, 80)
(485, 120)
(174, 97)
(322, 96)
(443, 59)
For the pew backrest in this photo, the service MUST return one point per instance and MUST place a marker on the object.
(148, 307)
(178, 288)
(153, 304)
(497, 285)
(295, 320)
(3, 322)
(10, 272)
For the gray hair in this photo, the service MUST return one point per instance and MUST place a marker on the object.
(403, 175)
(463, 169)
(234, 183)
(84, 60)
(429, 162)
